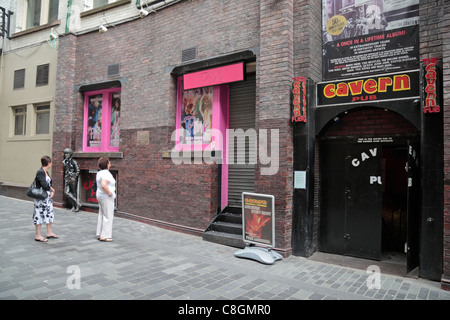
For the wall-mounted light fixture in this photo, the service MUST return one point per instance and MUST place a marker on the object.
(102, 28)
(53, 34)
(143, 13)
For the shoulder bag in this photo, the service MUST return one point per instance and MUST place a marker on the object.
(36, 193)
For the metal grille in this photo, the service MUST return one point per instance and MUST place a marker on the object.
(19, 79)
(241, 177)
(42, 75)
(113, 70)
(189, 54)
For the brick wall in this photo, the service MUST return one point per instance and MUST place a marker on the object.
(151, 186)
(370, 122)
(275, 70)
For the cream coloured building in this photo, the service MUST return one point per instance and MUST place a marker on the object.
(27, 85)
(28, 71)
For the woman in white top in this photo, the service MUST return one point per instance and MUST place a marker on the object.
(106, 193)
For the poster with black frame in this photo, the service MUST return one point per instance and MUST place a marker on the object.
(87, 192)
(258, 219)
(365, 37)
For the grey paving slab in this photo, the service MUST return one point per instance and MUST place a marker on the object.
(146, 262)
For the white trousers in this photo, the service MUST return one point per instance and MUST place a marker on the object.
(105, 217)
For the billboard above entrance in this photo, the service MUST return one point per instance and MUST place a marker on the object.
(365, 37)
(394, 86)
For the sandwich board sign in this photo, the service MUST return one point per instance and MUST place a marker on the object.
(258, 228)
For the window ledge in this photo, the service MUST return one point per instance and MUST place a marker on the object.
(103, 8)
(45, 137)
(36, 29)
(111, 155)
(197, 154)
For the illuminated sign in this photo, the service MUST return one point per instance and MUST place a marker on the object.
(299, 100)
(376, 88)
(431, 86)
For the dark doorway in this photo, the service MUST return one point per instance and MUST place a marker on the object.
(370, 200)
(394, 212)
(350, 198)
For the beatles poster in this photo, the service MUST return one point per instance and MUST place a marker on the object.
(196, 116)
(365, 37)
(87, 187)
(258, 219)
(94, 135)
(115, 120)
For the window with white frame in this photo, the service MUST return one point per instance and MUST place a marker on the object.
(42, 119)
(20, 120)
(40, 12)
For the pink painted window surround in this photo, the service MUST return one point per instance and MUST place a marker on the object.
(195, 99)
(101, 126)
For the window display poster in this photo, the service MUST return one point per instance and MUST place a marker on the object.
(87, 188)
(365, 37)
(258, 219)
(94, 127)
(115, 120)
(196, 116)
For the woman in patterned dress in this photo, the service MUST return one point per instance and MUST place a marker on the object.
(43, 209)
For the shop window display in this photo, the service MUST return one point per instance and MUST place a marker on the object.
(101, 131)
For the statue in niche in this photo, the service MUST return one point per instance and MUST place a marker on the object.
(71, 174)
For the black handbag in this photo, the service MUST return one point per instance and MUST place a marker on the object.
(36, 193)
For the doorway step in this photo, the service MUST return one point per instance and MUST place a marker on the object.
(387, 264)
(226, 228)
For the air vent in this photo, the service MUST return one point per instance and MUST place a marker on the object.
(42, 75)
(113, 70)
(19, 79)
(189, 54)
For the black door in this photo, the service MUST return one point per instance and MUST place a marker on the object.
(413, 206)
(332, 196)
(350, 199)
(363, 201)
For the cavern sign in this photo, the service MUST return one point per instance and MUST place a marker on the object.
(298, 98)
(394, 86)
(431, 86)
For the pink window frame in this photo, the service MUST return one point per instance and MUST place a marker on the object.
(106, 121)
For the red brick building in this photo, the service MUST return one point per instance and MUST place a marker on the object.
(147, 62)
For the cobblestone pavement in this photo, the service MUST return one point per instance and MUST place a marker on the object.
(147, 262)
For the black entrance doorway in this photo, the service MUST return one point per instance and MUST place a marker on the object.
(394, 212)
(369, 195)
(350, 206)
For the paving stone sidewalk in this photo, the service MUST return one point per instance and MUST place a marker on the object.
(147, 262)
